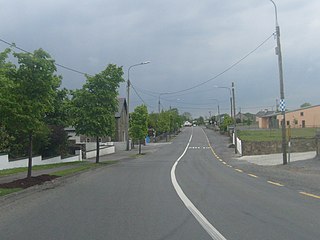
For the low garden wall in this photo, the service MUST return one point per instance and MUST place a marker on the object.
(103, 151)
(270, 147)
(5, 163)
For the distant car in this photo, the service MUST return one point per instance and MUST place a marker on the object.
(187, 124)
(194, 125)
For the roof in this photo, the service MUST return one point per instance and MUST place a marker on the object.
(299, 109)
(266, 113)
(122, 103)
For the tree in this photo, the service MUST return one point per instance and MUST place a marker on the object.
(175, 120)
(200, 120)
(306, 104)
(56, 121)
(187, 116)
(139, 124)
(94, 106)
(227, 121)
(31, 89)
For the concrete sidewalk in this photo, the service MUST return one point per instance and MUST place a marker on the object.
(117, 156)
(276, 159)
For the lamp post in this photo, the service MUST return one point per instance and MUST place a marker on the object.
(282, 100)
(128, 102)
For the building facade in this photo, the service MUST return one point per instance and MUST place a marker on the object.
(302, 118)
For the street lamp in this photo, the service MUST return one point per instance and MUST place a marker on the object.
(282, 100)
(128, 101)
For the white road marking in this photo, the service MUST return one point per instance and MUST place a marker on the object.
(211, 230)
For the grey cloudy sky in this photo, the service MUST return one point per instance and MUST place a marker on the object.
(188, 42)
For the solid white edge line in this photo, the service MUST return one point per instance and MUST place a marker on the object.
(211, 230)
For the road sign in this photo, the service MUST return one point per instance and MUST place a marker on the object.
(282, 105)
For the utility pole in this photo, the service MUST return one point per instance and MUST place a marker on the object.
(282, 99)
(234, 118)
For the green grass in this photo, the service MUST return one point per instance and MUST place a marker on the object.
(81, 168)
(71, 170)
(5, 191)
(6, 172)
(275, 134)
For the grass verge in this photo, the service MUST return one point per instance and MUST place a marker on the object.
(5, 191)
(6, 172)
(81, 168)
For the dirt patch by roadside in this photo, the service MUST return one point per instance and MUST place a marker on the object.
(29, 182)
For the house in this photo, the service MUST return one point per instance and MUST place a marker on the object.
(121, 120)
(302, 117)
(120, 127)
(267, 119)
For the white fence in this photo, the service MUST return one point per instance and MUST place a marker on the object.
(6, 164)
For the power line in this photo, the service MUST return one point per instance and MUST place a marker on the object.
(140, 96)
(221, 73)
(13, 45)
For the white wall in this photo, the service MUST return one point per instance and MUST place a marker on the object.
(6, 164)
(121, 146)
(103, 151)
(239, 146)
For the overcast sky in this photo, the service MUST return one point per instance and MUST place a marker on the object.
(187, 42)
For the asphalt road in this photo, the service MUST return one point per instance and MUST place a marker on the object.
(140, 199)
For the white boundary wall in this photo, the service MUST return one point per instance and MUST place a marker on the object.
(6, 164)
(239, 146)
(103, 151)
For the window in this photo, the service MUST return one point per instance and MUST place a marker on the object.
(288, 123)
(88, 139)
(301, 114)
(303, 123)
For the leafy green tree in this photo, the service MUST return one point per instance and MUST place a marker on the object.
(175, 120)
(139, 124)
(94, 106)
(164, 123)
(57, 120)
(152, 120)
(31, 91)
(186, 116)
(4, 140)
(306, 104)
(200, 120)
(7, 86)
(227, 121)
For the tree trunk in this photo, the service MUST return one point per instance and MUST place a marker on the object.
(30, 156)
(98, 151)
(139, 146)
